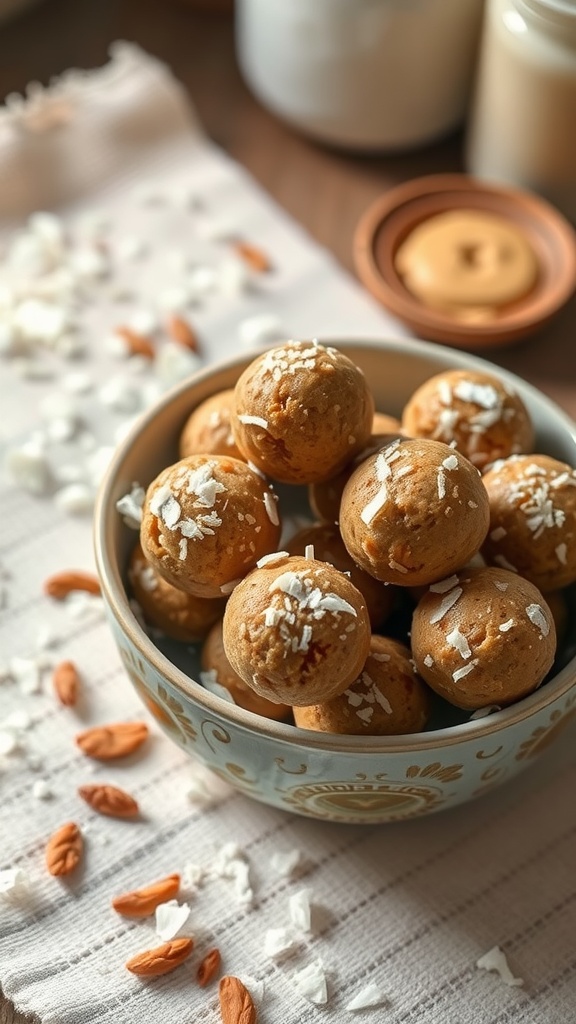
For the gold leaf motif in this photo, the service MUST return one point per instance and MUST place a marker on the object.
(301, 770)
(435, 770)
(217, 733)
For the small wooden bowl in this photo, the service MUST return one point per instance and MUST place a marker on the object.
(389, 221)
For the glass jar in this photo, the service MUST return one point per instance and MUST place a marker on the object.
(366, 74)
(523, 120)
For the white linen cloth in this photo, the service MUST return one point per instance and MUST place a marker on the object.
(410, 907)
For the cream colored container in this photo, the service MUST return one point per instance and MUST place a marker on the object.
(523, 122)
(367, 74)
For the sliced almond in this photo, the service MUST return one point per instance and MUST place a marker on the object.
(64, 583)
(105, 742)
(66, 682)
(143, 902)
(236, 1003)
(254, 257)
(162, 959)
(181, 331)
(208, 967)
(64, 849)
(109, 800)
(136, 344)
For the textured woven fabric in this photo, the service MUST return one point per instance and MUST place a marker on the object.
(410, 907)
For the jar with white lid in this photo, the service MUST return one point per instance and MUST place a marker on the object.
(523, 120)
(365, 74)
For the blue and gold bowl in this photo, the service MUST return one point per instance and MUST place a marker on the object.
(324, 776)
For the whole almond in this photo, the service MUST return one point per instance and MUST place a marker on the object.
(181, 331)
(105, 742)
(64, 849)
(236, 1003)
(64, 583)
(109, 800)
(143, 902)
(208, 967)
(254, 257)
(66, 682)
(162, 959)
(136, 344)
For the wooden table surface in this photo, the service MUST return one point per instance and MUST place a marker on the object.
(325, 191)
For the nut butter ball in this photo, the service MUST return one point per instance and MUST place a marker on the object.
(325, 496)
(533, 519)
(414, 513)
(179, 615)
(206, 521)
(387, 699)
(326, 540)
(483, 636)
(302, 411)
(484, 417)
(296, 630)
(217, 669)
(207, 430)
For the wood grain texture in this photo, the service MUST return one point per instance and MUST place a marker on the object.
(325, 190)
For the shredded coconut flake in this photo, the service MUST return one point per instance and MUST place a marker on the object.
(271, 510)
(370, 995)
(537, 617)
(311, 983)
(445, 605)
(171, 918)
(255, 421)
(461, 672)
(458, 641)
(505, 626)
(495, 960)
(444, 585)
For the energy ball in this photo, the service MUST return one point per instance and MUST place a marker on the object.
(484, 417)
(179, 615)
(302, 411)
(206, 521)
(326, 540)
(484, 636)
(533, 519)
(208, 431)
(385, 424)
(296, 630)
(387, 699)
(217, 669)
(325, 496)
(414, 513)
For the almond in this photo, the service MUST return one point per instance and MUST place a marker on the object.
(105, 742)
(64, 849)
(236, 1003)
(143, 902)
(66, 682)
(162, 959)
(136, 344)
(63, 583)
(109, 800)
(208, 967)
(254, 257)
(181, 331)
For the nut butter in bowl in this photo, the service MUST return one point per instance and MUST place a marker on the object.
(466, 263)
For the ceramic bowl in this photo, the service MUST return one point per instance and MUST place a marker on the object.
(338, 778)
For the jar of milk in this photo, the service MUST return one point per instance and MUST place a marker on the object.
(523, 120)
(366, 74)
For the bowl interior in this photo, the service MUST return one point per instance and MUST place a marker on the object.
(394, 369)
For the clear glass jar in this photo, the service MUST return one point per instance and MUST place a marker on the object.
(523, 119)
(367, 74)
